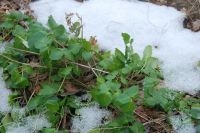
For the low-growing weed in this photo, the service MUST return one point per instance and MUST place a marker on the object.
(47, 69)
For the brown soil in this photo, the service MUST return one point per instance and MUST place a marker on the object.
(14, 5)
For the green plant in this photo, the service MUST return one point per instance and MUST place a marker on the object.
(46, 66)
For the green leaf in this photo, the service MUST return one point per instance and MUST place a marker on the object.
(132, 91)
(17, 80)
(38, 39)
(75, 48)
(76, 28)
(35, 102)
(150, 82)
(56, 54)
(68, 54)
(49, 89)
(127, 69)
(96, 130)
(17, 16)
(76, 70)
(113, 86)
(27, 70)
(137, 128)
(120, 55)
(53, 118)
(20, 32)
(7, 25)
(195, 111)
(125, 103)
(151, 101)
(111, 76)
(126, 38)
(123, 80)
(104, 98)
(59, 31)
(6, 120)
(22, 82)
(86, 55)
(147, 52)
(52, 23)
(63, 72)
(112, 64)
(53, 104)
(121, 119)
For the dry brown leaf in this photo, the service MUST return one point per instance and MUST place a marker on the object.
(93, 40)
(70, 88)
(196, 25)
(34, 64)
(37, 89)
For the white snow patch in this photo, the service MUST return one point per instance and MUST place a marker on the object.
(18, 113)
(4, 95)
(182, 124)
(160, 26)
(85, 97)
(29, 124)
(2, 47)
(89, 118)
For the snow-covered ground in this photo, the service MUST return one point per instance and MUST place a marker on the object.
(182, 124)
(177, 48)
(30, 124)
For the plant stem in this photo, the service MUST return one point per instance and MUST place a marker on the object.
(26, 64)
(25, 51)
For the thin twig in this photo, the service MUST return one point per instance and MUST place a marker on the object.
(92, 70)
(89, 67)
(62, 83)
(141, 116)
(155, 121)
(59, 43)
(110, 128)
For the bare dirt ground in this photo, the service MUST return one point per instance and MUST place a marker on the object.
(14, 5)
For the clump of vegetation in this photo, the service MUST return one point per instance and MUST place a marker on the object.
(48, 67)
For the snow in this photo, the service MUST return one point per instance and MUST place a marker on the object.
(90, 117)
(29, 124)
(161, 26)
(18, 113)
(4, 95)
(182, 124)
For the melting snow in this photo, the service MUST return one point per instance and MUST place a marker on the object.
(89, 118)
(182, 124)
(29, 124)
(177, 48)
(4, 95)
